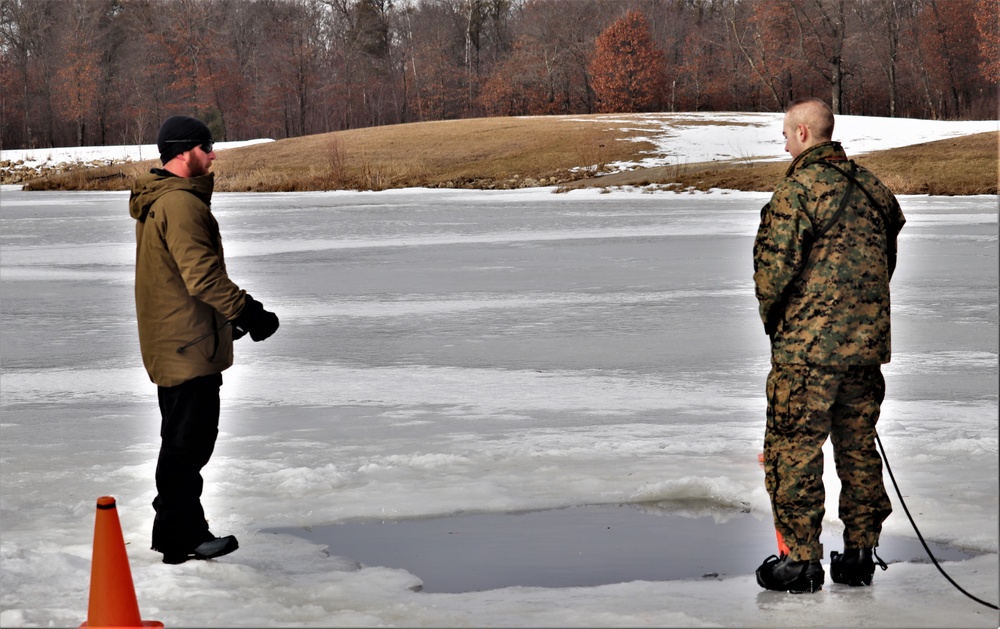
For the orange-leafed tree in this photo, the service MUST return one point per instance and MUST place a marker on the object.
(988, 25)
(75, 94)
(627, 69)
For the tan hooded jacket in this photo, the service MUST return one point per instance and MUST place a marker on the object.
(183, 296)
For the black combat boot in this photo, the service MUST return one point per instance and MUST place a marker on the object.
(855, 567)
(784, 575)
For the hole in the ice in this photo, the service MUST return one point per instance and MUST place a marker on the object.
(576, 546)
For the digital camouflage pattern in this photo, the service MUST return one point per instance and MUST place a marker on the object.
(825, 301)
(823, 257)
(804, 405)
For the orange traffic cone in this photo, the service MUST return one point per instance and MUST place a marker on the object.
(782, 546)
(112, 595)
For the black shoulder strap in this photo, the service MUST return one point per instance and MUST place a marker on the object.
(851, 184)
(850, 176)
(883, 212)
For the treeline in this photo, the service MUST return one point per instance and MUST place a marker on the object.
(81, 72)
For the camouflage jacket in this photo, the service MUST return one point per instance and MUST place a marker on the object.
(823, 260)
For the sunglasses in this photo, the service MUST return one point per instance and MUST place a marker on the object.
(206, 146)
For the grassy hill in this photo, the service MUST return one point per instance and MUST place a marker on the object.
(506, 153)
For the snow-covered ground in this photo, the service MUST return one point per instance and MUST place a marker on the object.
(94, 155)
(702, 137)
(447, 352)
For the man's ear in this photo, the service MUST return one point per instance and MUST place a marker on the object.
(802, 132)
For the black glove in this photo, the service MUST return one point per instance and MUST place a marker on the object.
(238, 333)
(254, 319)
(774, 316)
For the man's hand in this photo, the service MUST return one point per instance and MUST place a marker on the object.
(256, 321)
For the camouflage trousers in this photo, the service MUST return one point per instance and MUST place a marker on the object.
(805, 405)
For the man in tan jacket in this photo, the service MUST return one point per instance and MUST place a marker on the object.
(189, 312)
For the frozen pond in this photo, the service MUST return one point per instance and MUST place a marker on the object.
(455, 352)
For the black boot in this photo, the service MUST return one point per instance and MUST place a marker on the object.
(855, 567)
(209, 549)
(784, 575)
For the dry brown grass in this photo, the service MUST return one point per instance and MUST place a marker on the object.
(477, 153)
(956, 166)
(530, 151)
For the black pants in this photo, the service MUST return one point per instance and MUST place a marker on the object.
(189, 426)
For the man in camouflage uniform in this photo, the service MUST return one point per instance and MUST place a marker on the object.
(824, 253)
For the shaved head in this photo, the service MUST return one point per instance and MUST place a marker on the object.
(808, 122)
(815, 114)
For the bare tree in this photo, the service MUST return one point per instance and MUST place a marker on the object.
(762, 38)
(884, 18)
(27, 27)
(279, 68)
(822, 33)
(76, 78)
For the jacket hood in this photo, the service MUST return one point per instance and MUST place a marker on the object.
(148, 188)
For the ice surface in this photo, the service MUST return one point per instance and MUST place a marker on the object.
(470, 352)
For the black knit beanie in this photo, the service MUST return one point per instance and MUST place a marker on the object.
(178, 134)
